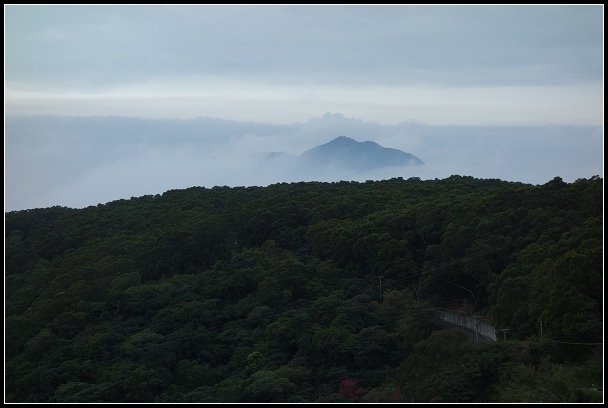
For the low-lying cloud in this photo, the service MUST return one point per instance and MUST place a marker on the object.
(82, 161)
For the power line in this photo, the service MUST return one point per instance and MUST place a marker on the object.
(582, 344)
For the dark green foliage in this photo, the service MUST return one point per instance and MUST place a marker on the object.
(448, 368)
(271, 294)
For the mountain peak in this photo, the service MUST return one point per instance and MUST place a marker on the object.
(346, 152)
(350, 140)
(343, 139)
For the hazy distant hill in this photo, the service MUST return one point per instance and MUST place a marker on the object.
(349, 153)
(344, 153)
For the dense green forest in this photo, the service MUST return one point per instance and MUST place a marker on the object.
(266, 294)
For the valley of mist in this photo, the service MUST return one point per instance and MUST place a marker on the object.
(78, 161)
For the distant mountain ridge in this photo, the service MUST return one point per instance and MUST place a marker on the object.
(345, 153)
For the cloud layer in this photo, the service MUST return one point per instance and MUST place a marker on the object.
(81, 161)
(474, 65)
(460, 45)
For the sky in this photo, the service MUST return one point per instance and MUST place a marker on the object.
(437, 64)
(107, 102)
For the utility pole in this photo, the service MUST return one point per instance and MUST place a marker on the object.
(416, 294)
(476, 327)
(380, 277)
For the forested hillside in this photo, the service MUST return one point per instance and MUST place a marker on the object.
(266, 294)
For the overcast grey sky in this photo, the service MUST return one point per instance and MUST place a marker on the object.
(108, 102)
(438, 64)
